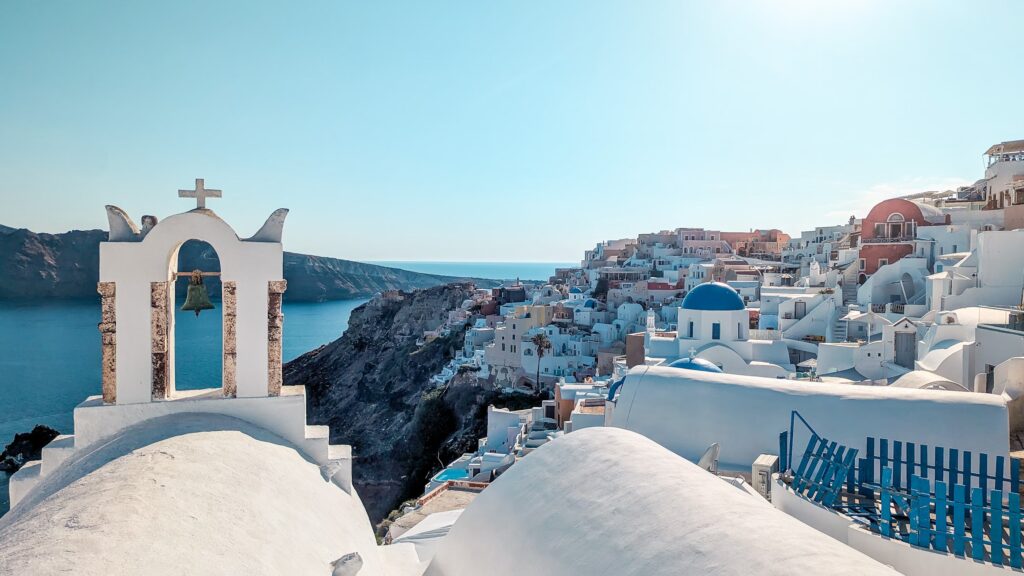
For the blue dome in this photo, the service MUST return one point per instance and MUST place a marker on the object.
(590, 303)
(575, 290)
(698, 364)
(713, 296)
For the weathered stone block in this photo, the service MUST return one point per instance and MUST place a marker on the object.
(230, 329)
(159, 390)
(106, 289)
(108, 309)
(277, 286)
(107, 327)
(229, 385)
(158, 295)
(109, 373)
(109, 338)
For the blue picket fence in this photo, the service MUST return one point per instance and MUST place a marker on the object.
(949, 466)
(962, 525)
(948, 500)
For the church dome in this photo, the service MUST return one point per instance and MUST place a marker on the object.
(698, 364)
(713, 296)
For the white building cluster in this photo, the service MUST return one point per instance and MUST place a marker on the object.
(847, 402)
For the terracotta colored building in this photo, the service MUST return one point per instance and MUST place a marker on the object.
(890, 231)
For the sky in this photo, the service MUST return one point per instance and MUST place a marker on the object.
(497, 131)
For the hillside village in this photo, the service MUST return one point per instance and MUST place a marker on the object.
(924, 292)
(848, 401)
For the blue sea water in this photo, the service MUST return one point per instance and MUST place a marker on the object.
(50, 352)
(50, 357)
(494, 270)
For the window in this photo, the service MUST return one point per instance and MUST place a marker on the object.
(689, 331)
(716, 331)
(739, 330)
(863, 263)
(503, 347)
(883, 262)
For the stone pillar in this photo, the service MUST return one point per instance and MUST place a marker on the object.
(275, 328)
(229, 302)
(108, 334)
(158, 312)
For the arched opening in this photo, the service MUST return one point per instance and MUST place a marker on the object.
(907, 285)
(195, 343)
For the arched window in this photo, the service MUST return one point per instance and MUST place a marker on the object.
(894, 225)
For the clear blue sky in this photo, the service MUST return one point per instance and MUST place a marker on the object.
(510, 131)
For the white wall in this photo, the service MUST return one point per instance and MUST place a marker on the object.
(687, 411)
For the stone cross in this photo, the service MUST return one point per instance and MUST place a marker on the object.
(200, 194)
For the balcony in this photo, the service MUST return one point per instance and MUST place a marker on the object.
(883, 240)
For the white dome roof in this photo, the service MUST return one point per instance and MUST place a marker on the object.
(187, 494)
(609, 501)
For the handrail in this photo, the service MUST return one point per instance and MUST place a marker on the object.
(793, 415)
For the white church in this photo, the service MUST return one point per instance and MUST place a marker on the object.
(230, 479)
(714, 326)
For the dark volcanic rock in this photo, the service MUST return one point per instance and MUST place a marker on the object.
(66, 266)
(26, 446)
(372, 387)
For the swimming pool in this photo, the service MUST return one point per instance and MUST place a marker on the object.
(451, 474)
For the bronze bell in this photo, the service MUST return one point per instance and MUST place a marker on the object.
(197, 298)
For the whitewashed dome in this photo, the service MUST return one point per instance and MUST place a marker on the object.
(607, 501)
(198, 494)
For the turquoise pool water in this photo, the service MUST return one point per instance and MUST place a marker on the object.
(451, 474)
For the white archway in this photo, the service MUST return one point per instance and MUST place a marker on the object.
(136, 270)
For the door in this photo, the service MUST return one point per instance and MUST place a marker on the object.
(799, 309)
(716, 331)
(905, 342)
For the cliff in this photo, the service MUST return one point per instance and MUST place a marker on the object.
(25, 447)
(37, 266)
(372, 387)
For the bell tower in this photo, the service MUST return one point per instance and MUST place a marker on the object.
(138, 270)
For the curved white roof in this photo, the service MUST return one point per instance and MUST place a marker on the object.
(924, 380)
(686, 411)
(609, 501)
(932, 214)
(187, 494)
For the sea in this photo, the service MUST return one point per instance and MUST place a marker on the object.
(50, 352)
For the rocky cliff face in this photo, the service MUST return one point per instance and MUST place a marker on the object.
(46, 266)
(372, 387)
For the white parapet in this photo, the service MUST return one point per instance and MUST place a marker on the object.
(283, 415)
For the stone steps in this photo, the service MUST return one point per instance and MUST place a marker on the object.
(24, 480)
(56, 452)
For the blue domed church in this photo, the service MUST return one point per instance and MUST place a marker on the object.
(714, 328)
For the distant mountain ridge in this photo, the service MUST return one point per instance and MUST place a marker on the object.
(38, 266)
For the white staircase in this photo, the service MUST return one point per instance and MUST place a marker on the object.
(838, 329)
(849, 283)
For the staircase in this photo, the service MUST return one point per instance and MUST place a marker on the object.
(838, 329)
(850, 285)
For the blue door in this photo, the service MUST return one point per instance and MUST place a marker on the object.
(716, 331)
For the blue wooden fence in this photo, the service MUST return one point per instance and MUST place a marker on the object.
(947, 500)
(963, 525)
(949, 466)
